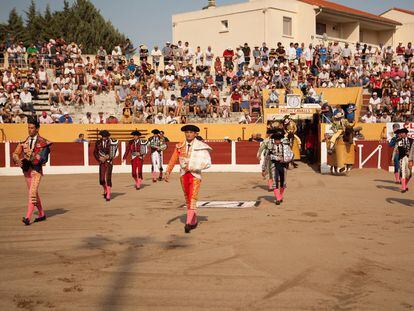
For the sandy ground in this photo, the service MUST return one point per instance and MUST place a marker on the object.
(337, 243)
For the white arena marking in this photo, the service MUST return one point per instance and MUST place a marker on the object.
(227, 204)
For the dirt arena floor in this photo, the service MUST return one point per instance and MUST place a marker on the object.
(337, 243)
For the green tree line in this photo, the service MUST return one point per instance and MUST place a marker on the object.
(80, 22)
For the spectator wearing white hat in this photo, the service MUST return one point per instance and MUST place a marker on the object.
(159, 119)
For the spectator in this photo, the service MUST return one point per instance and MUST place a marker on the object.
(81, 139)
(72, 80)
(87, 119)
(374, 102)
(326, 112)
(369, 118)
(65, 118)
(26, 103)
(245, 119)
(100, 119)
(45, 118)
(159, 119)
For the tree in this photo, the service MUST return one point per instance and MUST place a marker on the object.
(15, 27)
(47, 24)
(80, 22)
(34, 24)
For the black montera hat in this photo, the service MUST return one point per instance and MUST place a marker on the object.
(402, 131)
(136, 133)
(104, 133)
(190, 128)
(278, 136)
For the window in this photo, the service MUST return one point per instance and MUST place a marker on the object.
(320, 29)
(287, 26)
(225, 25)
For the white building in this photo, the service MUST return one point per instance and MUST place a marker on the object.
(405, 32)
(271, 21)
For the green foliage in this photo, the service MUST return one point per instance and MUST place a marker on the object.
(15, 27)
(80, 22)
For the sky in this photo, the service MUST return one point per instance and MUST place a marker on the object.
(149, 21)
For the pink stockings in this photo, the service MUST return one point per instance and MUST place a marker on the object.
(138, 182)
(397, 177)
(107, 192)
(191, 217)
(33, 180)
(270, 184)
(404, 182)
(279, 193)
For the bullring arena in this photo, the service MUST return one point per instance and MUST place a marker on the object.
(270, 170)
(338, 243)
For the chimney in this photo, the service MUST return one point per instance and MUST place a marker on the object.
(211, 4)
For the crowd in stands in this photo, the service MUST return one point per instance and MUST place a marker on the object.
(169, 84)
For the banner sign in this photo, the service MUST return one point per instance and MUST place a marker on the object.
(391, 127)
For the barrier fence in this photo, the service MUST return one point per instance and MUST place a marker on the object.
(76, 158)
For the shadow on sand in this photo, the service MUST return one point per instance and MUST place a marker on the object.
(57, 211)
(385, 180)
(183, 219)
(392, 188)
(406, 202)
(116, 194)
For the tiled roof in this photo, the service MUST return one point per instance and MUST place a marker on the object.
(346, 9)
(401, 10)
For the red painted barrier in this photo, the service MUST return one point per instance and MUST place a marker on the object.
(367, 149)
(246, 152)
(2, 155)
(66, 154)
(221, 152)
(72, 154)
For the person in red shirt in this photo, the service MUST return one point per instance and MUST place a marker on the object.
(395, 101)
(217, 65)
(397, 72)
(400, 50)
(112, 120)
(236, 100)
(228, 55)
(377, 86)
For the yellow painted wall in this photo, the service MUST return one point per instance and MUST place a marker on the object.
(69, 132)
